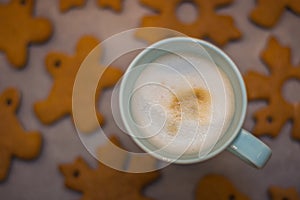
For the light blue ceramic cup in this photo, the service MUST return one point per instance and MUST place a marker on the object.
(236, 140)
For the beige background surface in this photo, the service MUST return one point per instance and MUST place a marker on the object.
(40, 179)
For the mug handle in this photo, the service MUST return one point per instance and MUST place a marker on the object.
(250, 149)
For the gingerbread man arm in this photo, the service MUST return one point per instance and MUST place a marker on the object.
(21, 51)
(27, 145)
(40, 30)
(65, 5)
(294, 5)
(267, 13)
(116, 5)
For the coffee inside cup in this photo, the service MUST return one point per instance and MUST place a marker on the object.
(182, 104)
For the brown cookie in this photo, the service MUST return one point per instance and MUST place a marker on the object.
(65, 5)
(105, 182)
(116, 5)
(217, 187)
(268, 12)
(64, 69)
(277, 193)
(220, 28)
(270, 119)
(14, 140)
(19, 28)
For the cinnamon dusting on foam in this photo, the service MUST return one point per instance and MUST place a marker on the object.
(191, 104)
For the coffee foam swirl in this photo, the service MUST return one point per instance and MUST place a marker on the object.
(193, 104)
(177, 112)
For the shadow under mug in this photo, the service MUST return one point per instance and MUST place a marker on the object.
(236, 140)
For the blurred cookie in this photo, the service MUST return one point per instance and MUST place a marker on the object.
(116, 5)
(268, 12)
(208, 24)
(271, 119)
(277, 193)
(14, 140)
(19, 28)
(217, 187)
(64, 69)
(105, 182)
(65, 5)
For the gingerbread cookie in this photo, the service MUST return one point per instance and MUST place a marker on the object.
(217, 187)
(270, 119)
(14, 140)
(116, 5)
(220, 28)
(268, 12)
(19, 28)
(65, 5)
(104, 182)
(277, 193)
(64, 69)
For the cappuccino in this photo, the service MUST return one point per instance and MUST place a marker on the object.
(182, 104)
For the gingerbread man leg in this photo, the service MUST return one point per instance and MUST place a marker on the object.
(5, 158)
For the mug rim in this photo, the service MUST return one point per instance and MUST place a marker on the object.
(237, 73)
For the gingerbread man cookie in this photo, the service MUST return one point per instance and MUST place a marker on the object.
(217, 187)
(270, 119)
(277, 193)
(65, 5)
(268, 12)
(64, 68)
(14, 140)
(220, 28)
(19, 28)
(105, 182)
(116, 5)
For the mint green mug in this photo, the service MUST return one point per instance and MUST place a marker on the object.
(235, 139)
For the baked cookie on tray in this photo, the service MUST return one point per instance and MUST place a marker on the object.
(63, 69)
(217, 187)
(19, 28)
(14, 140)
(219, 28)
(271, 119)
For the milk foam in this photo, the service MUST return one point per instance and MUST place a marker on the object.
(177, 105)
